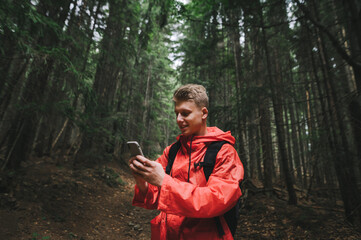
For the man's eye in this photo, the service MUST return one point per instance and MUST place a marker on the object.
(183, 114)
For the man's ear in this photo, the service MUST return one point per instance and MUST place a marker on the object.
(204, 113)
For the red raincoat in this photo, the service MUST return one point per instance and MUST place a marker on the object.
(188, 205)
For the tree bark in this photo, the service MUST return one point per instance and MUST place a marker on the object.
(344, 165)
(238, 66)
(107, 77)
(21, 140)
(276, 99)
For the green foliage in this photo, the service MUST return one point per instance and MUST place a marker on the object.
(36, 236)
(110, 177)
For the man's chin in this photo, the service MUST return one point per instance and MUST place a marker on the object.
(185, 132)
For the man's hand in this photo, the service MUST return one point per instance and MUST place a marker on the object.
(147, 170)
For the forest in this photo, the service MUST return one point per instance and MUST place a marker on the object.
(79, 78)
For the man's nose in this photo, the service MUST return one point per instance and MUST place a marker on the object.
(179, 117)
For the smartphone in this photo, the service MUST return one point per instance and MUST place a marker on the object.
(134, 148)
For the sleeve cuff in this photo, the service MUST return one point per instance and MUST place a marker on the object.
(139, 197)
(165, 197)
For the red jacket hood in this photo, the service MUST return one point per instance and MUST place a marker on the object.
(214, 134)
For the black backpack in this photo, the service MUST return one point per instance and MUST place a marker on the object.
(231, 216)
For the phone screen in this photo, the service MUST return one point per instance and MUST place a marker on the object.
(134, 148)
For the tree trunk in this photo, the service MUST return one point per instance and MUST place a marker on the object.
(295, 137)
(277, 107)
(94, 144)
(288, 140)
(277, 101)
(238, 66)
(343, 162)
(21, 140)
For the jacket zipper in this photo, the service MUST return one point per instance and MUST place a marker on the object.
(189, 169)
(190, 152)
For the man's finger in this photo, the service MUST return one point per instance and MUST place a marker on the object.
(138, 164)
(140, 158)
(131, 160)
(137, 170)
(144, 161)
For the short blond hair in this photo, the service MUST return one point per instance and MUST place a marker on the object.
(194, 92)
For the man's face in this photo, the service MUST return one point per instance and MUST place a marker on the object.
(190, 118)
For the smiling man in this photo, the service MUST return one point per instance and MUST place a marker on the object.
(190, 107)
(192, 196)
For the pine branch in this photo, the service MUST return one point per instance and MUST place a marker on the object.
(331, 37)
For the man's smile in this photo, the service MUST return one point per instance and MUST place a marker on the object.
(183, 127)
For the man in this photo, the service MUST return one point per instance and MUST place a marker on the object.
(187, 201)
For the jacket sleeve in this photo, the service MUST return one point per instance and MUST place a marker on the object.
(150, 199)
(217, 197)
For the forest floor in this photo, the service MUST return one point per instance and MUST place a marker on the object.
(54, 201)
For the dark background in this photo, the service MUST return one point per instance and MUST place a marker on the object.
(80, 78)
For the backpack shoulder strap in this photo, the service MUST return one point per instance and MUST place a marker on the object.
(208, 166)
(210, 157)
(171, 156)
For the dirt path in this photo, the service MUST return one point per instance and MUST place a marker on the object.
(52, 201)
(55, 202)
